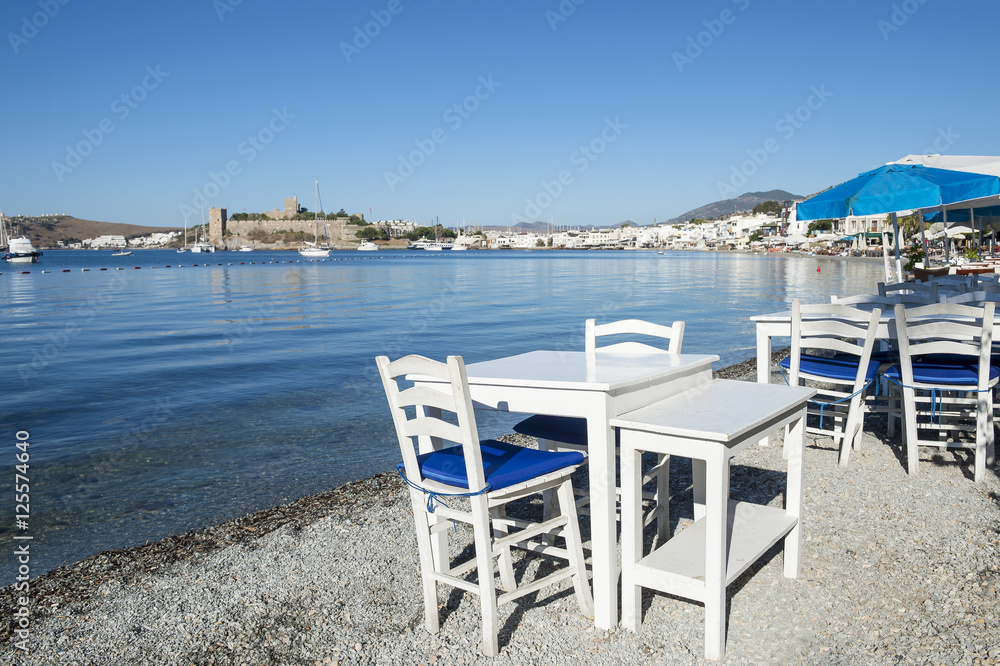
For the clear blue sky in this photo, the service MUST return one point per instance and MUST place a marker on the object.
(643, 110)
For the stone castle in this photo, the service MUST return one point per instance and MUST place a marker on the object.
(341, 231)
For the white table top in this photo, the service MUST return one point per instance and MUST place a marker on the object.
(605, 371)
(721, 411)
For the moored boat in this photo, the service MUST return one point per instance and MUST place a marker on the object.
(314, 251)
(367, 246)
(16, 250)
(20, 251)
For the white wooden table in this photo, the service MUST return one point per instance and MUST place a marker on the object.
(779, 325)
(597, 387)
(711, 423)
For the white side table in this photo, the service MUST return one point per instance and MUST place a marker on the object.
(710, 423)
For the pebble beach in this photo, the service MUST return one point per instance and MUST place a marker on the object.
(897, 569)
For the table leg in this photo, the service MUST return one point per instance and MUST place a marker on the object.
(763, 364)
(795, 442)
(716, 554)
(698, 487)
(632, 546)
(603, 518)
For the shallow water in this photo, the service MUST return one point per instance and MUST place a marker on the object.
(164, 399)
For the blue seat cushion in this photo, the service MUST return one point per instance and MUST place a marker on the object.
(942, 370)
(504, 464)
(842, 367)
(556, 428)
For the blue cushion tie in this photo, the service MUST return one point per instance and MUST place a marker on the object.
(823, 404)
(433, 496)
(504, 465)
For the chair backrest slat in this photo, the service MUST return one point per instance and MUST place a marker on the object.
(674, 333)
(427, 397)
(978, 296)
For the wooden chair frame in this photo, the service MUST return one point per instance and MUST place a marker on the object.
(420, 428)
(836, 329)
(960, 331)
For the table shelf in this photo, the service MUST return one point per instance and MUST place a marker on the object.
(678, 566)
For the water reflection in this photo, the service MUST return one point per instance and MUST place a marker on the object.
(186, 396)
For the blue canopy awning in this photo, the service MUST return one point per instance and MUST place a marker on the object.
(896, 187)
(962, 214)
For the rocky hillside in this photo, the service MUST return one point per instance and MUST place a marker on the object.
(744, 202)
(48, 231)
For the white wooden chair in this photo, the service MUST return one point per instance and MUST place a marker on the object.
(946, 380)
(560, 433)
(490, 474)
(926, 292)
(977, 297)
(832, 351)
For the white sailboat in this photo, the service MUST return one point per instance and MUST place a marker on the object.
(202, 245)
(315, 250)
(185, 248)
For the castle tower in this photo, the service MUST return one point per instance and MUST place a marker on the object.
(216, 225)
(292, 206)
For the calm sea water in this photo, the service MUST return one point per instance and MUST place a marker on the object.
(164, 399)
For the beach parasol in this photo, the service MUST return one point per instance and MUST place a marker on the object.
(896, 187)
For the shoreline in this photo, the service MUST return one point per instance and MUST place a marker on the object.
(895, 568)
(77, 582)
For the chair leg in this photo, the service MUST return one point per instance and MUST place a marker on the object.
(432, 621)
(990, 433)
(548, 496)
(853, 426)
(506, 562)
(574, 548)
(487, 588)
(910, 429)
(984, 435)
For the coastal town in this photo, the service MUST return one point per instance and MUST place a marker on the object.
(774, 227)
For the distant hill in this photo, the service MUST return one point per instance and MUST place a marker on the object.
(543, 227)
(744, 202)
(48, 231)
